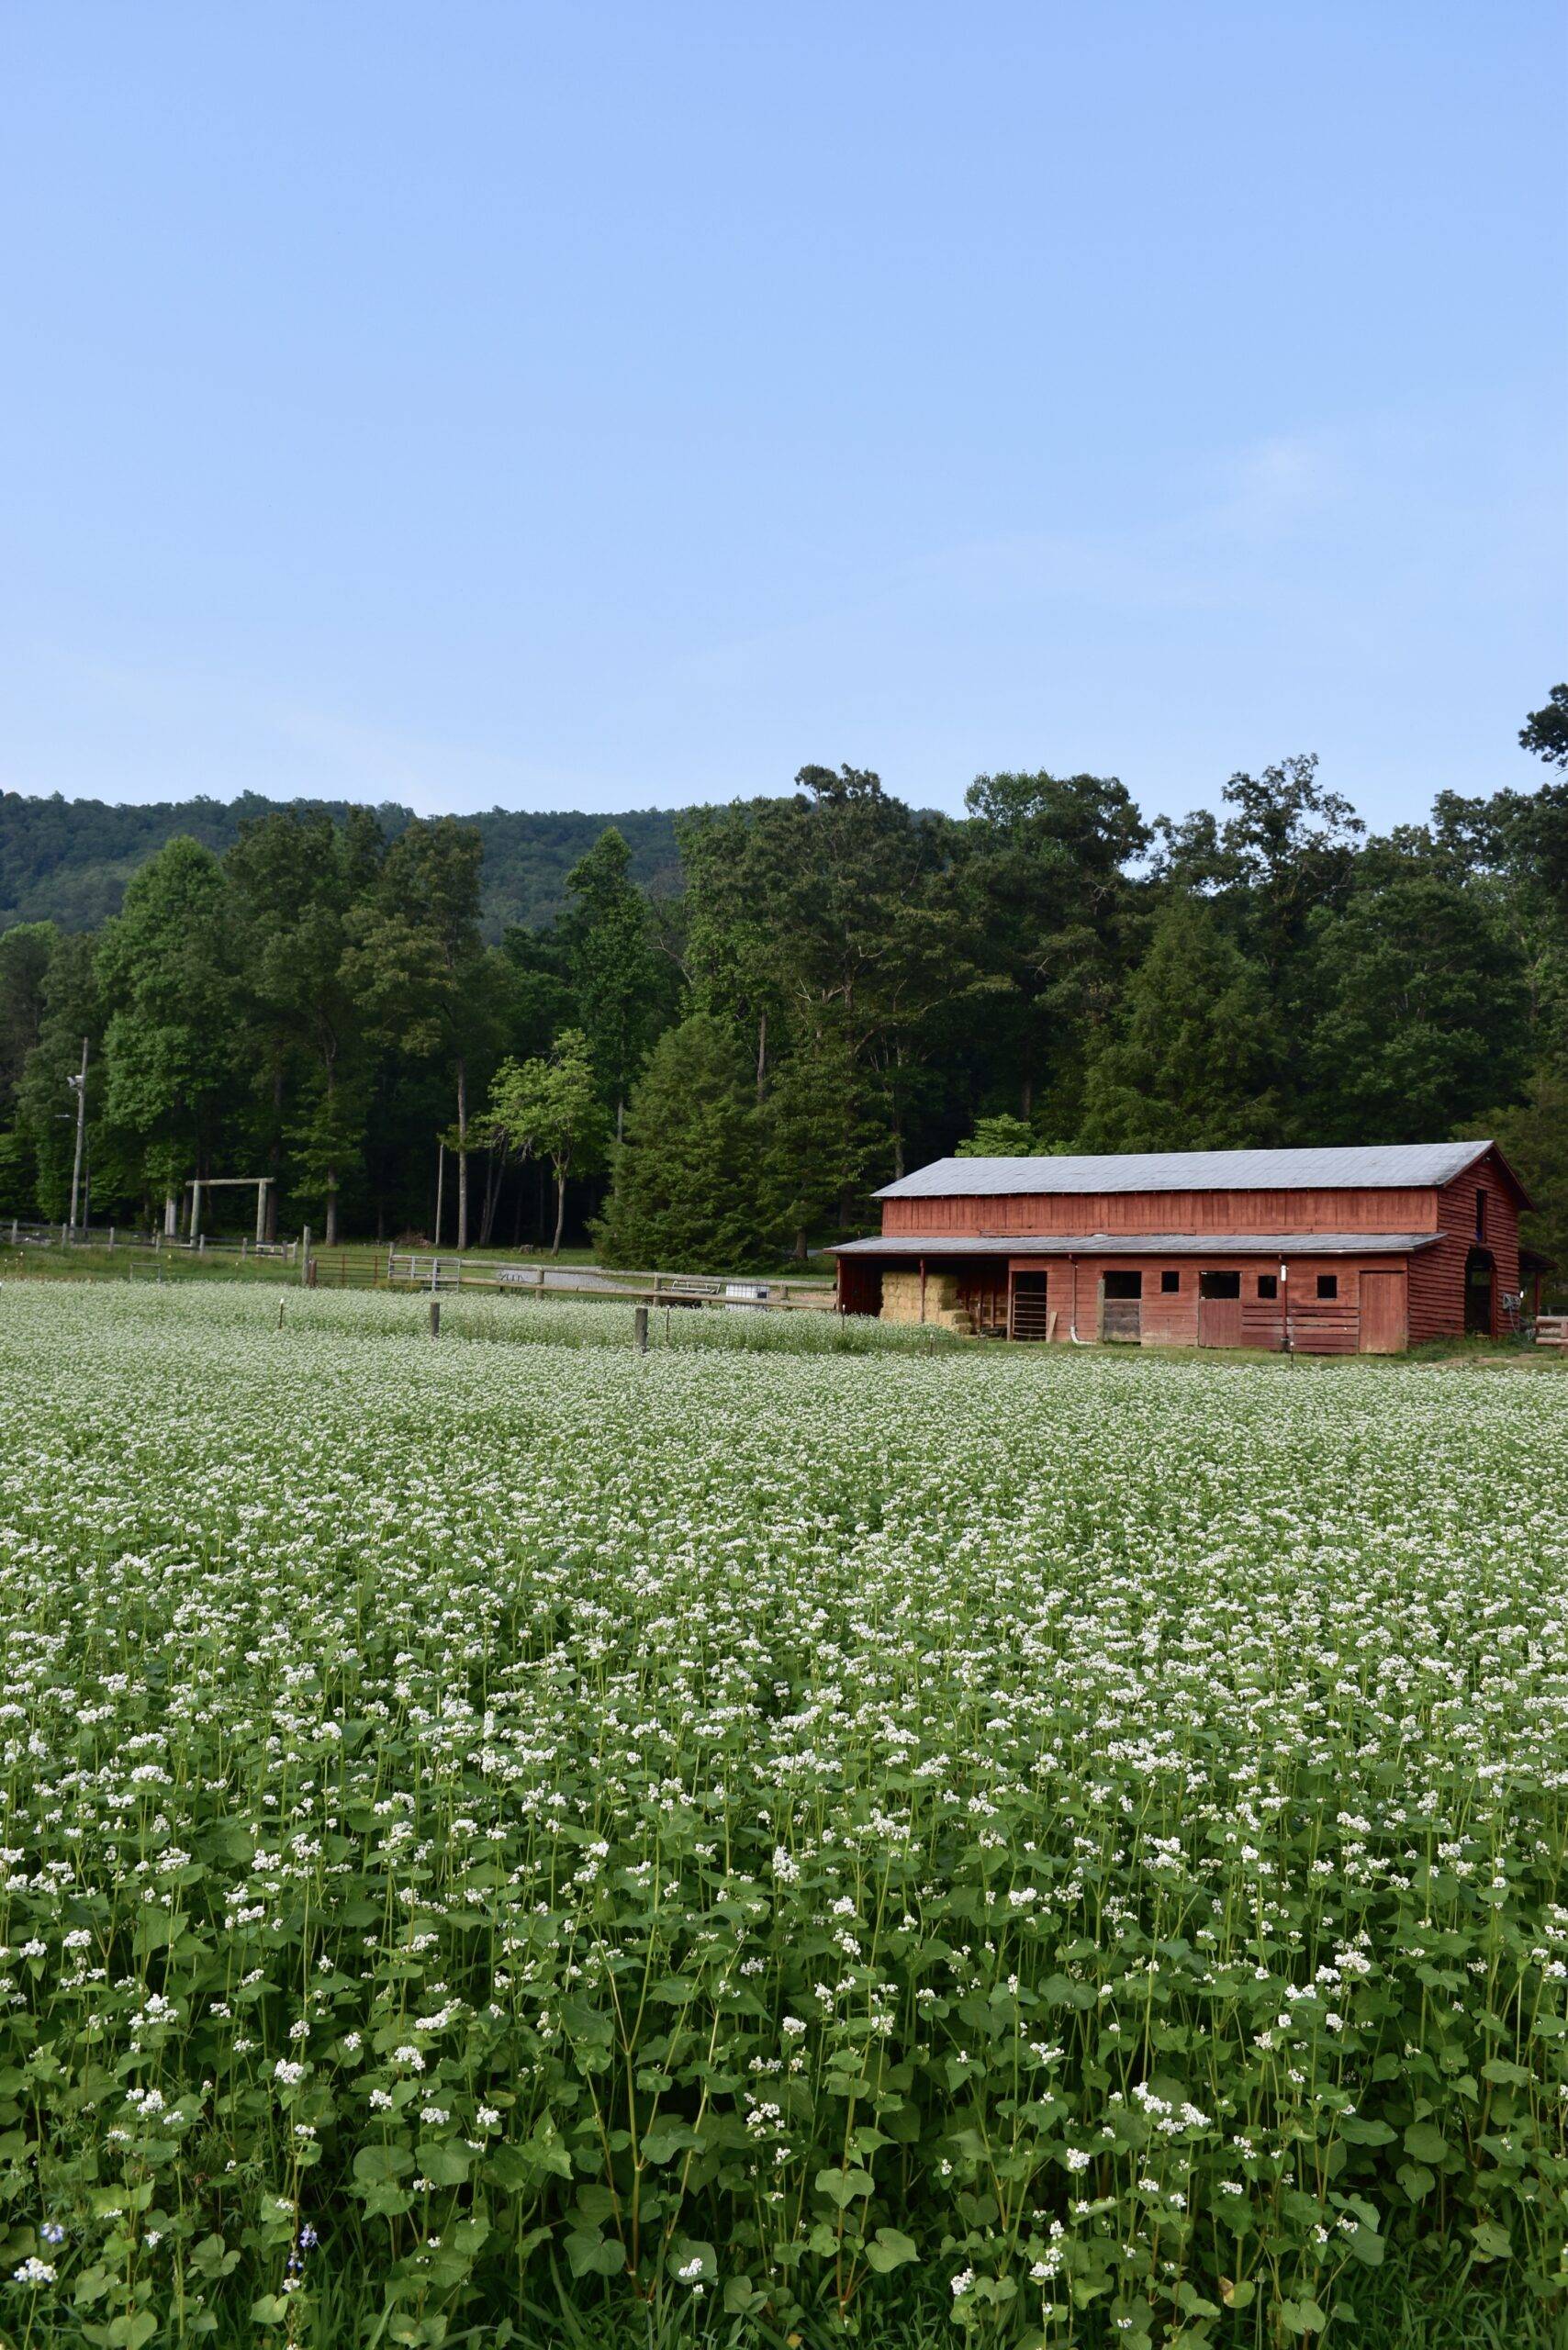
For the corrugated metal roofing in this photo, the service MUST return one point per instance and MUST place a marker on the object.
(942, 1245)
(1379, 1165)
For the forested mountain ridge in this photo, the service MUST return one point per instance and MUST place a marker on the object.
(828, 987)
(67, 861)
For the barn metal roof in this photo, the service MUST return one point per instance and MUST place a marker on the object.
(1138, 1244)
(1378, 1166)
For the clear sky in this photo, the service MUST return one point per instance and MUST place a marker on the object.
(607, 406)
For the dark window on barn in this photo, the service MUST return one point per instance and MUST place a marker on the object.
(1327, 1284)
(1169, 1283)
(1481, 1215)
(1267, 1284)
(1124, 1284)
(1219, 1284)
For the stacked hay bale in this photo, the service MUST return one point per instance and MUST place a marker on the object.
(944, 1308)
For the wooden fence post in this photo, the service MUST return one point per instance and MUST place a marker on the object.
(435, 1317)
(640, 1328)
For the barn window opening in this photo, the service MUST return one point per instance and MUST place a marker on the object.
(1124, 1284)
(1169, 1283)
(1481, 1215)
(1219, 1284)
(1327, 1284)
(1267, 1284)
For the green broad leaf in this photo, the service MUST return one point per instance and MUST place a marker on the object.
(441, 2162)
(889, 2249)
(1356, 2133)
(271, 2310)
(666, 2138)
(212, 2258)
(1424, 2143)
(842, 2187)
(1239, 2293)
(1497, 2068)
(374, 2166)
(1367, 2246)
(1305, 2316)
(1491, 2241)
(685, 2250)
(741, 2297)
(131, 2330)
(588, 2254)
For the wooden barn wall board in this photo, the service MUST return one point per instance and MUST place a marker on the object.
(1186, 1211)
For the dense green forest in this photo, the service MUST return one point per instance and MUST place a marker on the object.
(715, 1060)
(67, 861)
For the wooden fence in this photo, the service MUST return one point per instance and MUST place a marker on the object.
(439, 1274)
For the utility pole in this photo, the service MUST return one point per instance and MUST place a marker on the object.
(79, 1087)
(440, 1186)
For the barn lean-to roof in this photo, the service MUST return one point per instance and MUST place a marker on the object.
(1138, 1244)
(1372, 1167)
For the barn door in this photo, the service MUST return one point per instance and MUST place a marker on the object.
(1219, 1309)
(1121, 1307)
(1030, 1320)
(1385, 1328)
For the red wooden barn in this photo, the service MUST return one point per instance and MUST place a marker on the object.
(1328, 1251)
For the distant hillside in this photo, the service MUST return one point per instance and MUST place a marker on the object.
(68, 860)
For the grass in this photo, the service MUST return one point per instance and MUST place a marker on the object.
(507, 1839)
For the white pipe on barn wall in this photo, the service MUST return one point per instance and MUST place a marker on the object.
(1073, 1318)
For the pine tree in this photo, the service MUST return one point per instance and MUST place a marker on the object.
(1189, 1069)
(684, 1194)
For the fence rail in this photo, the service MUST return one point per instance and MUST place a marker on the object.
(1552, 1329)
(361, 1268)
(18, 1232)
(422, 1271)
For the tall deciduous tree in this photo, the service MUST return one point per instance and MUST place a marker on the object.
(616, 975)
(296, 883)
(1044, 875)
(166, 969)
(418, 963)
(1421, 1004)
(551, 1109)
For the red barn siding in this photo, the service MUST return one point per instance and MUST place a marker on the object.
(1194, 1212)
(1436, 1273)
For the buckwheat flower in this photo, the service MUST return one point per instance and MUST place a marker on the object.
(33, 2271)
(288, 2072)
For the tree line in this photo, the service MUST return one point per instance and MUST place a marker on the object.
(837, 987)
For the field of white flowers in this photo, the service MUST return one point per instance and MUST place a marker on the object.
(518, 1841)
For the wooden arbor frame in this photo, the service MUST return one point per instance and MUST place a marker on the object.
(261, 1183)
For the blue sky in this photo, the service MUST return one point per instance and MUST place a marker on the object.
(605, 406)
